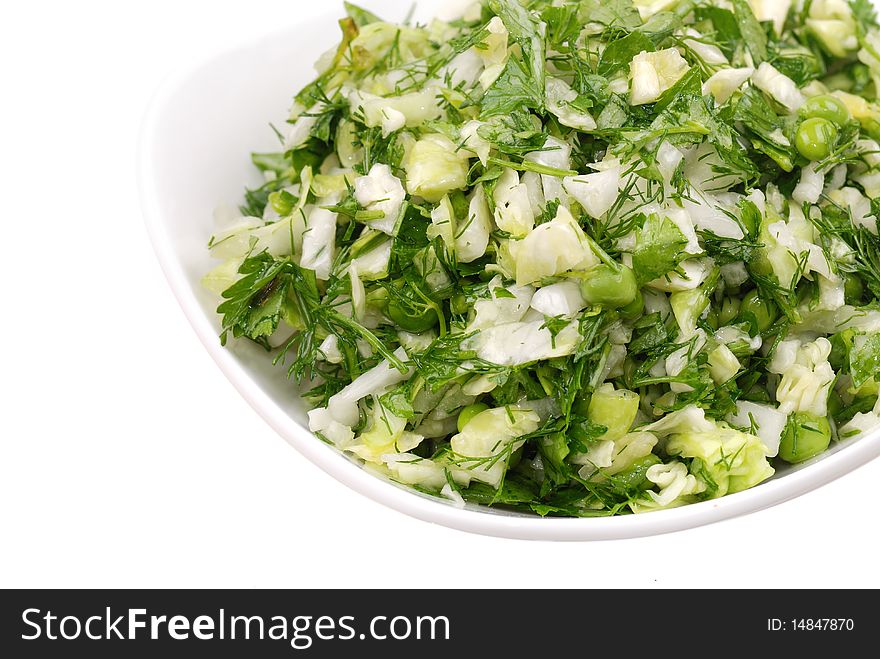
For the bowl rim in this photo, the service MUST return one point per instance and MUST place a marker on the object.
(432, 509)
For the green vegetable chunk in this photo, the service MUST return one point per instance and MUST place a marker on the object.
(805, 437)
(815, 138)
(826, 107)
(411, 322)
(469, 412)
(759, 311)
(611, 287)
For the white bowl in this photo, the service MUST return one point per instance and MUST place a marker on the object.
(194, 154)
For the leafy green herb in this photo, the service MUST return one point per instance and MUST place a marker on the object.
(659, 248)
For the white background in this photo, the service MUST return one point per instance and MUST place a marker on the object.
(128, 460)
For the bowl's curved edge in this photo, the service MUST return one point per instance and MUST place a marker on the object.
(423, 507)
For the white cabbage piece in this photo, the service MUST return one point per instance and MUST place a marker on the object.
(778, 86)
(734, 460)
(380, 190)
(668, 158)
(789, 241)
(517, 343)
(535, 189)
(561, 299)
(724, 83)
(358, 294)
(674, 482)
(832, 293)
(772, 10)
(733, 335)
(319, 239)
(463, 72)
(599, 456)
(596, 192)
(734, 274)
(223, 276)
(858, 205)
(861, 423)
(373, 264)
(651, 74)
(711, 212)
(410, 469)
(484, 445)
(301, 129)
(682, 219)
(513, 208)
(493, 52)
(559, 96)
(866, 174)
(629, 448)
(343, 406)
(688, 419)
(806, 375)
(707, 51)
(809, 188)
(347, 144)
(832, 23)
(705, 170)
(678, 360)
(434, 167)
(375, 40)
(386, 433)
(453, 495)
(554, 153)
(616, 409)
(767, 422)
(251, 235)
(551, 249)
(322, 422)
(688, 306)
(509, 307)
(472, 142)
(723, 364)
(329, 350)
(648, 8)
(788, 244)
(443, 223)
(337, 181)
(396, 112)
(721, 458)
(472, 237)
(696, 271)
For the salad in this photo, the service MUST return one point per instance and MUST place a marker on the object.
(575, 257)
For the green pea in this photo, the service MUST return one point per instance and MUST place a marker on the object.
(458, 305)
(712, 319)
(611, 287)
(410, 320)
(815, 138)
(634, 309)
(826, 107)
(756, 309)
(805, 436)
(853, 289)
(469, 412)
(729, 310)
(761, 265)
